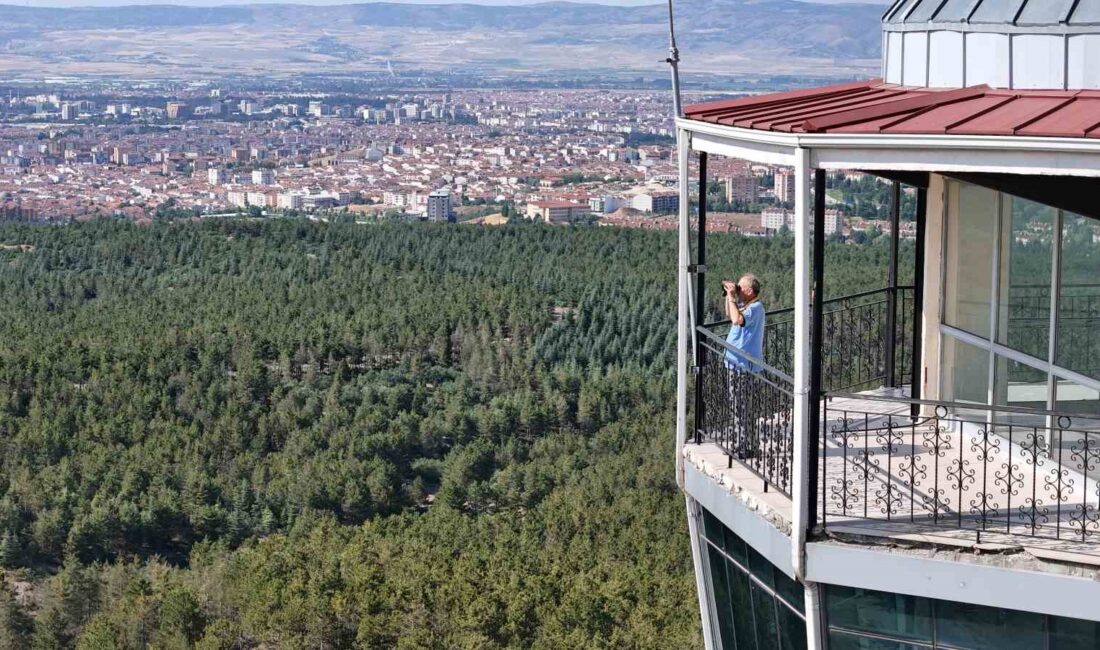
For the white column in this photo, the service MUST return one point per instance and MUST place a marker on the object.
(815, 628)
(802, 411)
(683, 332)
(683, 340)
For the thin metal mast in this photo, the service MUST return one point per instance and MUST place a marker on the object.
(673, 62)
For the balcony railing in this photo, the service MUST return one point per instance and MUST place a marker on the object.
(886, 460)
(856, 351)
(1015, 471)
(749, 414)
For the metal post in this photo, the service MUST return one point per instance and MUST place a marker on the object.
(700, 291)
(673, 62)
(816, 345)
(890, 336)
(917, 370)
(683, 333)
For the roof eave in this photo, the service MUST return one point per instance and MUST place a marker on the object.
(903, 152)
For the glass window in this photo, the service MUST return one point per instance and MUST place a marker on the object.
(895, 615)
(757, 606)
(842, 641)
(744, 619)
(712, 528)
(792, 630)
(763, 605)
(965, 372)
(761, 568)
(861, 619)
(1020, 385)
(720, 584)
(972, 218)
(1071, 634)
(961, 625)
(1025, 276)
(735, 546)
(790, 591)
(1078, 326)
(1075, 398)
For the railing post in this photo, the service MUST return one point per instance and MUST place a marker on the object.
(817, 294)
(700, 270)
(890, 335)
(917, 367)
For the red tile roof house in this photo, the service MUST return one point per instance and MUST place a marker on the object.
(867, 478)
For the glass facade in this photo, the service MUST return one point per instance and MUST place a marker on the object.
(757, 607)
(1021, 283)
(862, 619)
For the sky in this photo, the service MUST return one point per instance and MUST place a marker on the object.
(211, 3)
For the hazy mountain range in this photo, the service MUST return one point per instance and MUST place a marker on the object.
(716, 36)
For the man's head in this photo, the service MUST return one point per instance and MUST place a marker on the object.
(750, 286)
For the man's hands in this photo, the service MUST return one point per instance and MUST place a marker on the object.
(732, 310)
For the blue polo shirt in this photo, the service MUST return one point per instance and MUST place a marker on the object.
(748, 338)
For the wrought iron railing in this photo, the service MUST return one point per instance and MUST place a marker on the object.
(1007, 470)
(747, 413)
(855, 346)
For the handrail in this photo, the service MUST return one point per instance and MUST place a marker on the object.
(788, 310)
(760, 374)
(745, 355)
(970, 406)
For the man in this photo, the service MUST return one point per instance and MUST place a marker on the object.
(746, 312)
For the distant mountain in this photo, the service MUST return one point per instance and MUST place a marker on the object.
(748, 36)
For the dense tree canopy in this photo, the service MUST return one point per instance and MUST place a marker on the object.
(241, 434)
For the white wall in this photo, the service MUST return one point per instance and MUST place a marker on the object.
(1084, 54)
(915, 59)
(945, 53)
(987, 60)
(1038, 61)
(893, 57)
(952, 59)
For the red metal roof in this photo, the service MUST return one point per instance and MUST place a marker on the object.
(877, 107)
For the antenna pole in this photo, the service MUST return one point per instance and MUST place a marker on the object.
(673, 62)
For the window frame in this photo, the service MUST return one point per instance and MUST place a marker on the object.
(1053, 371)
(707, 545)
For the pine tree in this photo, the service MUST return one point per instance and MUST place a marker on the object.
(11, 551)
(49, 631)
(15, 625)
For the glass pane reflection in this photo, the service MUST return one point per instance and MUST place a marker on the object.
(965, 372)
(1025, 277)
(1078, 327)
(962, 625)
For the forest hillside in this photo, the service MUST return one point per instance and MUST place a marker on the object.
(284, 434)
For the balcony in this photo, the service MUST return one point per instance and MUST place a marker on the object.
(889, 465)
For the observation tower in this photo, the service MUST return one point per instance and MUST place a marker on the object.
(916, 466)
